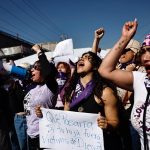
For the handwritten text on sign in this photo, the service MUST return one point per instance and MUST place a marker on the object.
(70, 130)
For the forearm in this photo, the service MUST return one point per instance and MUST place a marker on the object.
(95, 45)
(67, 106)
(110, 61)
(108, 125)
(48, 72)
(45, 65)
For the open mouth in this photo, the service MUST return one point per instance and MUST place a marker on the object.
(33, 74)
(147, 68)
(80, 63)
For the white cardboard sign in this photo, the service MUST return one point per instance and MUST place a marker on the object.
(70, 130)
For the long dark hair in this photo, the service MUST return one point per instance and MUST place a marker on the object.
(48, 73)
(100, 83)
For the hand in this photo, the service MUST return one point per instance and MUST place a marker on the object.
(99, 33)
(38, 111)
(11, 62)
(129, 29)
(36, 48)
(130, 67)
(102, 122)
(51, 59)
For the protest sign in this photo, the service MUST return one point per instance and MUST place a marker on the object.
(70, 130)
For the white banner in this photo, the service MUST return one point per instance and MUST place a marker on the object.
(63, 48)
(61, 130)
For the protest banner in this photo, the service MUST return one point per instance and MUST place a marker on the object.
(61, 130)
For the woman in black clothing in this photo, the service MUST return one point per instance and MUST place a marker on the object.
(88, 92)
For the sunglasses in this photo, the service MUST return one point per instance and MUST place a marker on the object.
(36, 67)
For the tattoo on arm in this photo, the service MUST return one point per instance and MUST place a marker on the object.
(119, 45)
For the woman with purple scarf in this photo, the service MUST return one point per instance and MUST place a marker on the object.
(88, 92)
(138, 82)
(63, 75)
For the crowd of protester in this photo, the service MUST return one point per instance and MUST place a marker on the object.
(114, 87)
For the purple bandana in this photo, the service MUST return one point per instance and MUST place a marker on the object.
(82, 93)
(61, 80)
(146, 42)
